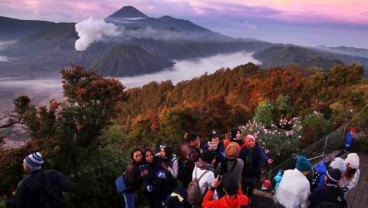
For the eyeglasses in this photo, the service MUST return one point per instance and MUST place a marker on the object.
(162, 146)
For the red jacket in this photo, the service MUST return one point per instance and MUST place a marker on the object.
(240, 201)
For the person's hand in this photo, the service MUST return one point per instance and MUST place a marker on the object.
(145, 172)
(163, 165)
(216, 182)
(345, 189)
(270, 161)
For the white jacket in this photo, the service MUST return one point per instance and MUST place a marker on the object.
(349, 184)
(294, 189)
(206, 180)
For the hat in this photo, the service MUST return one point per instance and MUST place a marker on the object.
(248, 139)
(303, 164)
(177, 198)
(232, 150)
(352, 129)
(213, 134)
(231, 185)
(208, 156)
(34, 161)
(266, 185)
(352, 161)
(333, 175)
(338, 163)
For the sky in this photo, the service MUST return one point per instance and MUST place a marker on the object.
(301, 22)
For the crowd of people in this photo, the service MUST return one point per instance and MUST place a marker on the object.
(216, 174)
(228, 171)
(223, 169)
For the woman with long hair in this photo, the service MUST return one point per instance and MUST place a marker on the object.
(152, 184)
(134, 175)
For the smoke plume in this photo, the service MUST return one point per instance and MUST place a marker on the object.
(91, 30)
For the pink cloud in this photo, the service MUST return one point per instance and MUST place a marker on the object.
(291, 10)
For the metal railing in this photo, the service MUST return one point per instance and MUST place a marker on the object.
(319, 149)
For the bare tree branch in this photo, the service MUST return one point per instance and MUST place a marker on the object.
(6, 115)
(12, 121)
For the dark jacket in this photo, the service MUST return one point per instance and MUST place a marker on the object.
(43, 188)
(329, 193)
(190, 156)
(253, 160)
(220, 152)
(133, 177)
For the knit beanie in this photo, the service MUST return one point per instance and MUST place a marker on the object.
(352, 161)
(208, 156)
(231, 185)
(33, 161)
(248, 139)
(177, 198)
(303, 164)
(338, 163)
(232, 150)
(333, 175)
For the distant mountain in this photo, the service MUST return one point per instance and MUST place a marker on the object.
(360, 52)
(12, 29)
(320, 63)
(125, 60)
(135, 20)
(146, 45)
(128, 12)
(152, 42)
(284, 55)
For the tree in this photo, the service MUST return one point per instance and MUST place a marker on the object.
(265, 114)
(315, 126)
(90, 104)
(21, 105)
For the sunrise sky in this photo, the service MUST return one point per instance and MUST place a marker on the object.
(302, 22)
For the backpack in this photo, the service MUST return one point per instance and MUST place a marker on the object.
(120, 184)
(195, 197)
(224, 174)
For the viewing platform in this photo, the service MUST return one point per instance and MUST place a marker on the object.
(357, 197)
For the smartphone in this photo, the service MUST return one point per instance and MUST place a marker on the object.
(142, 168)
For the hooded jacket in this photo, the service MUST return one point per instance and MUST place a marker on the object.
(241, 201)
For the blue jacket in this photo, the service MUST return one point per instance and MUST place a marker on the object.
(252, 167)
(320, 173)
(348, 141)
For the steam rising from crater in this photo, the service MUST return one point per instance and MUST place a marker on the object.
(91, 30)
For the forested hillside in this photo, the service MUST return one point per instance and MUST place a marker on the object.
(230, 97)
(89, 135)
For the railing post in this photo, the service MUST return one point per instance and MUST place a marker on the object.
(324, 148)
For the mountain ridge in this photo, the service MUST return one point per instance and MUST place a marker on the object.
(128, 12)
(50, 46)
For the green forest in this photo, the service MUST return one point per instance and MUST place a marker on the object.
(89, 135)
